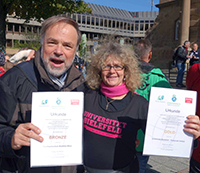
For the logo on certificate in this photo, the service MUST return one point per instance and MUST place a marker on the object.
(44, 102)
(161, 97)
(173, 101)
(188, 100)
(58, 101)
(74, 102)
(174, 98)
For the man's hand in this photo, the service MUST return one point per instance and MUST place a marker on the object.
(193, 125)
(23, 135)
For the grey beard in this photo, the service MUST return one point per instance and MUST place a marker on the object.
(51, 70)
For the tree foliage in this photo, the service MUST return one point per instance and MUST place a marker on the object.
(37, 10)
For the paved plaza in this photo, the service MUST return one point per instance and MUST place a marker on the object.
(158, 164)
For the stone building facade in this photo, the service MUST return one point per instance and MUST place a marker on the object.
(165, 34)
(104, 20)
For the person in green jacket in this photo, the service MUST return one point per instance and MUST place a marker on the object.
(152, 77)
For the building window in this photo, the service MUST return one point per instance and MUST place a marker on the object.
(128, 27)
(39, 29)
(121, 25)
(10, 27)
(117, 24)
(132, 27)
(105, 23)
(88, 20)
(74, 17)
(113, 24)
(146, 26)
(177, 29)
(83, 19)
(35, 29)
(125, 26)
(97, 21)
(29, 29)
(101, 22)
(16, 27)
(22, 28)
(109, 23)
(136, 27)
(79, 18)
(22, 41)
(141, 27)
(92, 22)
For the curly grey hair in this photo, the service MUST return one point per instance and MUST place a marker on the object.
(121, 53)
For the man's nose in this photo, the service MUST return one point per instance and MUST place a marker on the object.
(58, 50)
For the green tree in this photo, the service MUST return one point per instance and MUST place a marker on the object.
(37, 10)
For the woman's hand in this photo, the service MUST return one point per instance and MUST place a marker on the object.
(192, 125)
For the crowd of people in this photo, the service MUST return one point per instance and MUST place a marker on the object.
(181, 55)
(116, 92)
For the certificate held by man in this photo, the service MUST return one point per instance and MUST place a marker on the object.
(59, 116)
(168, 111)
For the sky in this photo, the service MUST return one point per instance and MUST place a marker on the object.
(129, 5)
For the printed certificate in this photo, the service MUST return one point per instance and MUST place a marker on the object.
(59, 115)
(168, 109)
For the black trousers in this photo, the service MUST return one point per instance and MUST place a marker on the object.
(194, 166)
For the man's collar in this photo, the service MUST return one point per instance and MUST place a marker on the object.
(59, 81)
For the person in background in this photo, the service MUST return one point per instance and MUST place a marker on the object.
(152, 77)
(8, 65)
(2, 62)
(181, 57)
(24, 54)
(54, 71)
(193, 83)
(113, 112)
(7, 57)
(194, 54)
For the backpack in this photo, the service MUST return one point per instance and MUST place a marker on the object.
(173, 63)
(175, 55)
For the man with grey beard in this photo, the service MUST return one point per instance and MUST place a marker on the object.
(51, 70)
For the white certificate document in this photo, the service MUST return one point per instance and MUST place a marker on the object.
(59, 115)
(168, 109)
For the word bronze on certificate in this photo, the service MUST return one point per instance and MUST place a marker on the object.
(59, 115)
(168, 111)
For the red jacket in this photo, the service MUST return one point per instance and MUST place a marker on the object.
(193, 83)
(2, 71)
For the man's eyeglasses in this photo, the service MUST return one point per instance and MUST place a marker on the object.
(116, 67)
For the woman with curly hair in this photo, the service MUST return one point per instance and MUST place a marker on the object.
(113, 112)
